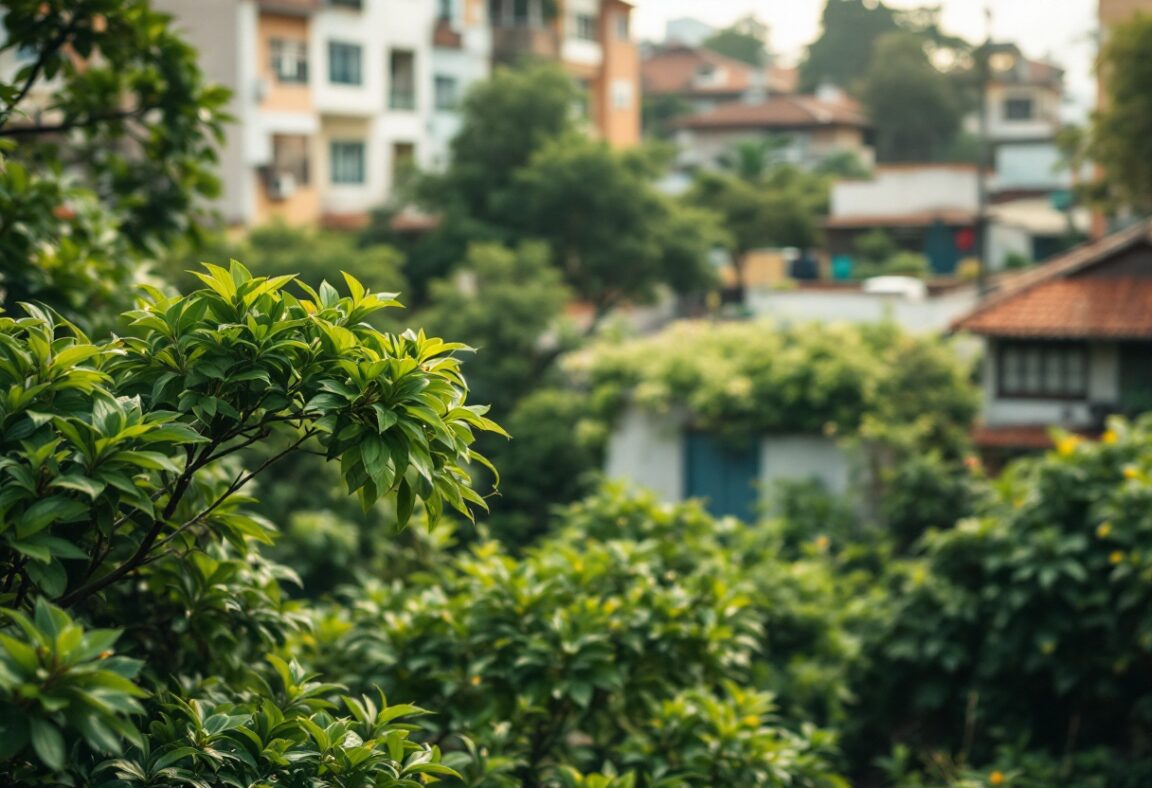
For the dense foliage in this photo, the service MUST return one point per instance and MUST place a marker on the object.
(1119, 142)
(108, 133)
(560, 658)
(122, 505)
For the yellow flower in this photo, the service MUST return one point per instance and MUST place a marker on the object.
(1131, 472)
(751, 720)
(475, 681)
(1116, 556)
(996, 778)
(1110, 436)
(1103, 530)
(822, 543)
(1067, 445)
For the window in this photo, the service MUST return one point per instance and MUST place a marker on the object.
(344, 63)
(290, 157)
(289, 60)
(447, 11)
(584, 27)
(447, 92)
(402, 80)
(1044, 370)
(347, 162)
(355, 4)
(621, 94)
(1019, 108)
(403, 162)
(622, 24)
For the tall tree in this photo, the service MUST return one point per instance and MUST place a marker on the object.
(914, 107)
(845, 48)
(612, 234)
(746, 40)
(1121, 133)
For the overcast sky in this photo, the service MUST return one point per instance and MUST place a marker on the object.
(1060, 30)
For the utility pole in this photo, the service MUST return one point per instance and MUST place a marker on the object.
(983, 247)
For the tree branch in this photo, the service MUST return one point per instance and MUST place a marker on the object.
(42, 60)
(77, 123)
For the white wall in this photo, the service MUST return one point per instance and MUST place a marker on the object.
(804, 457)
(468, 65)
(902, 190)
(647, 450)
(1004, 240)
(1103, 387)
(929, 315)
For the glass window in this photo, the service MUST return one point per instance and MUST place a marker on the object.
(584, 27)
(290, 157)
(346, 3)
(446, 10)
(402, 79)
(347, 162)
(447, 92)
(622, 94)
(1057, 370)
(289, 60)
(1019, 108)
(344, 63)
(622, 26)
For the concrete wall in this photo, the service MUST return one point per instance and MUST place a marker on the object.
(804, 457)
(933, 314)
(1103, 386)
(467, 65)
(616, 92)
(647, 450)
(896, 190)
(227, 30)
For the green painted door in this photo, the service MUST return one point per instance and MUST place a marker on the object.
(1135, 377)
(725, 476)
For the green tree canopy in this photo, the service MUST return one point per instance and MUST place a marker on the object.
(746, 41)
(915, 109)
(846, 47)
(1121, 133)
(116, 100)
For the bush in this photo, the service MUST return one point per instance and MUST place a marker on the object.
(121, 504)
(1027, 622)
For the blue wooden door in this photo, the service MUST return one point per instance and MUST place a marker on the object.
(725, 476)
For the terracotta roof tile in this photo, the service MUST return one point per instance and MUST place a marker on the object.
(674, 70)
(780, 112)
(1049, 301)
(1119, 308)
(1025, 436)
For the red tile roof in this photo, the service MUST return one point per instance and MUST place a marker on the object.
(1018, 437)
(673, 71)
(1116, 308)
(1050, 301)
(782, 112)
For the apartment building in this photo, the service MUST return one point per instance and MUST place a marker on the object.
(592, 39)
(334, 100)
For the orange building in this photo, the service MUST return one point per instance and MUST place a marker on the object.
(593, 40)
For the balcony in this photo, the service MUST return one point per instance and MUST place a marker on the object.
(289, 7)
(510, 44)
(445, 36)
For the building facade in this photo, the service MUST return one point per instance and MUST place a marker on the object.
(336, 101)
(592, 40)
(1067, 344)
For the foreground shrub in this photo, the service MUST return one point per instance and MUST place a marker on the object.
(120, 501)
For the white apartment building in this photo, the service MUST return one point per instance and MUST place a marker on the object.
(333, 99)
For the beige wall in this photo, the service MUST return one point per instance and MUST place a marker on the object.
(303, 207)
(280, 96)
(619, 125)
